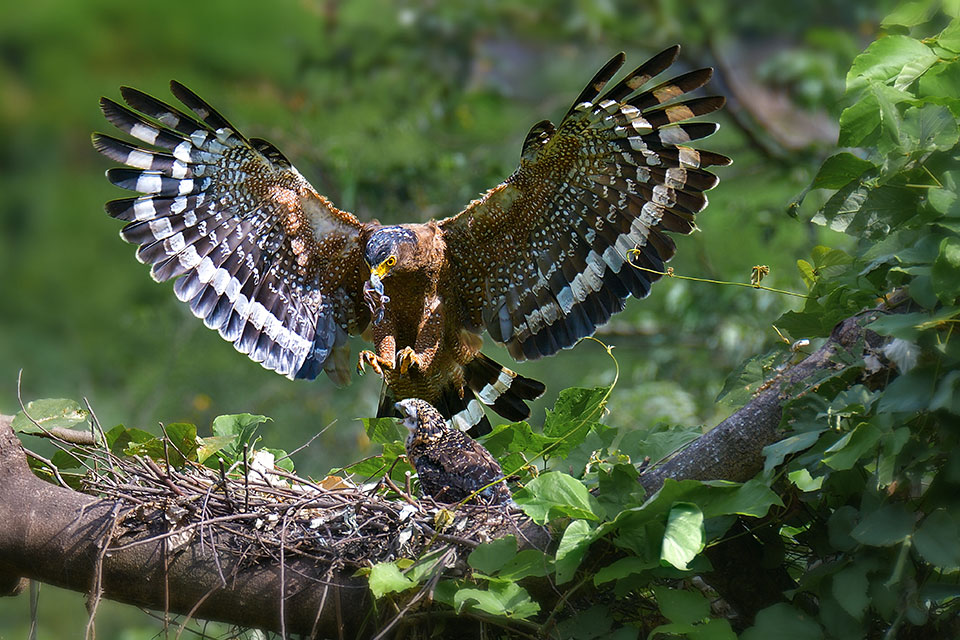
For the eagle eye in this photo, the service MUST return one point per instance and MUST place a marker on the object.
(392, 260)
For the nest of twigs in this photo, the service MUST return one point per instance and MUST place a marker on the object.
(258, 512)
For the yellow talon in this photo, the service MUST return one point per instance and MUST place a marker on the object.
(370, 358)
(407, 359)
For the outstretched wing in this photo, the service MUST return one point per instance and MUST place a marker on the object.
(549, 254)
(258, 254)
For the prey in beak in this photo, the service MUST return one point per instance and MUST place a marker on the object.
(374, 296)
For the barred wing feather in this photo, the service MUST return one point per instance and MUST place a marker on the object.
(549, 255)
(256, 252)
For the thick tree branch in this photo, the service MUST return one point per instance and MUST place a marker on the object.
(733, 450)
(55, 535)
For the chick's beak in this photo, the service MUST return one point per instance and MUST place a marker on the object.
(409, 415)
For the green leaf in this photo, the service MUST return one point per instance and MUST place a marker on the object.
(681, 606)
(840, 169)
(946, 271)
(575, 405)
(281, 459)
(943, 80)
(71, 459)
(849, 587)
(893, 443)
(491, 556)
(684, 536)
(885, 58)
(937, 540)
(783, 622)
(752, 498)
(381, 430)
(385, 578)
(910, 13)
(622, 568)
(513, 438)
(241, 425)
(500, 599)
(911, 71)
(775, 453)
(911, 391)
(804, 481)
(50, 413)
(828, 261)
(657, 445)
(840, 525)
(556, 494)
(211, 445)
(858, 122)
(575, 411)
(182, 437)
(949, 38)
(806, 272)
(120, 438)
(930, 127)
(848, 449)
(753, 372)
(377, 466)
(947, 395)
(886, 526)
(865, 211)
(715, 629)
(529, 562)
(908, 326)
(573, 546)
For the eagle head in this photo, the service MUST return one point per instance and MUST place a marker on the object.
(387, 247)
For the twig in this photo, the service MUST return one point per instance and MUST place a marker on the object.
(97, 588)
(53, 467)
(307, 443)
(161, 476)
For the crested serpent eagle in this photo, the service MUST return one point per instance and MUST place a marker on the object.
(538, 261)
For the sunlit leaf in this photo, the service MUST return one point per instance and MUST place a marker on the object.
(555, 494)
(573, 545)
(847, 451)
(884, 59)
(50, 413)
(385, 578)
(684, 536)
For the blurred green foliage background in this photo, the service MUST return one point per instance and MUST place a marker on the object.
(399, 111)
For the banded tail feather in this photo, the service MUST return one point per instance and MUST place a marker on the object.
(488, 383)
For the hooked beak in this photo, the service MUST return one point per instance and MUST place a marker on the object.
(409, 415)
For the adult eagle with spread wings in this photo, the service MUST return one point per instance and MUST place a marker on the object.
(539, 261)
